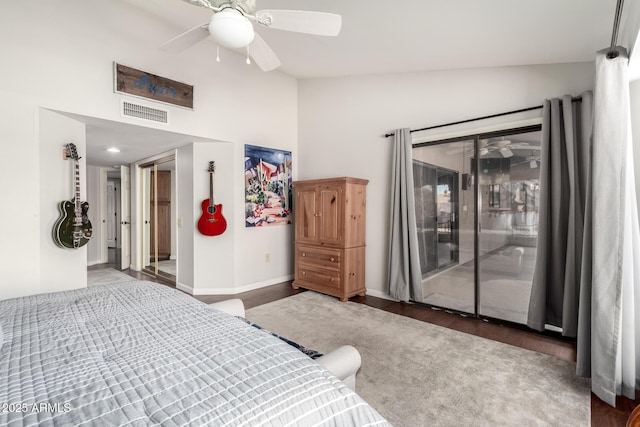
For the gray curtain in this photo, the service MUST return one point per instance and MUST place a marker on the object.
(564, 171)
(615, 260)
(405, 278)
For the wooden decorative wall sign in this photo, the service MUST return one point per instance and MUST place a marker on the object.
(140, 83)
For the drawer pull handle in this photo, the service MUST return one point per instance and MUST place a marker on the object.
(304, 254)
(304, 272)
(332, 279)
(332, 259)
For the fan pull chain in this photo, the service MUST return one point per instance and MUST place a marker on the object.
(218, 53)
(248, 60)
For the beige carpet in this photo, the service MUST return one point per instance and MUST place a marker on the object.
(105, 276)
(418, 374)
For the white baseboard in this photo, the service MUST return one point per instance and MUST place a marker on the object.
(90, 263)
(232, 291)
(185, 288)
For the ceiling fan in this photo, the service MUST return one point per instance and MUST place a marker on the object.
(231, 27)
(533, 160)
(504, 146)
(501, 146)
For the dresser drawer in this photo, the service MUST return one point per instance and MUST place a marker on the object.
(319, 259)
(318, 279)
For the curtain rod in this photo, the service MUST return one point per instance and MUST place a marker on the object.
(522, 110)
(613, 53)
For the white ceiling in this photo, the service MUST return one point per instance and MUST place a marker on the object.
(390, 37)
(414, 35)
(134, 142)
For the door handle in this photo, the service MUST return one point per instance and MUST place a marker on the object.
(124, 222)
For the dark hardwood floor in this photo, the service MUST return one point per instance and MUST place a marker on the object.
(602, 415)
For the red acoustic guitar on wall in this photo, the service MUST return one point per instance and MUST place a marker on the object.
(211, 222)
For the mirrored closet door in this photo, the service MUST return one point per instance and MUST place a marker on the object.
(159, 213)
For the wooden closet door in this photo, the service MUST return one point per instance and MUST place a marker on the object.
(163, 220)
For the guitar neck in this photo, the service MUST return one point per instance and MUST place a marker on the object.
(77, 203)
(211, 201)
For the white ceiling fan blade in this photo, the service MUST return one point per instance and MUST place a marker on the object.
(506, 152)
(186, 40)
(200, 3)
(301, 21)
(262, 54)
(520, 146)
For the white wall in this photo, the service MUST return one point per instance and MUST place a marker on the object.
(277, 240)
(61, 54)
(342, 122)
(63, 268)
(214, 255)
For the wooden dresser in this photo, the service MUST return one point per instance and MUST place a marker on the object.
(330, 236)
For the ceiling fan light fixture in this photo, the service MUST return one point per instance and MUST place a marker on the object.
(231, 29)
(484, 151)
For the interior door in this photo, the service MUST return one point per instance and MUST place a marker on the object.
(111, 214)
(125, 217)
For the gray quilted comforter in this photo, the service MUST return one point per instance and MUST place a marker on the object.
(138, 353)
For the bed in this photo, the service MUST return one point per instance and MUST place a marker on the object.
(139, 353)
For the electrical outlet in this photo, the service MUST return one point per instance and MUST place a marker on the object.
(267, 257)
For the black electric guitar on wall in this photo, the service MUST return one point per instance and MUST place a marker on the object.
(73, 229)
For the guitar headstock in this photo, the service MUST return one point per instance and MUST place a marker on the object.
(72, 151)
(212, 166)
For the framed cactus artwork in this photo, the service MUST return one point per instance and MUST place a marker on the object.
(268, 190)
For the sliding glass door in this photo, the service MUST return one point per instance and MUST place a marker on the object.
(508, 194)
(476, 208)
(445, 219)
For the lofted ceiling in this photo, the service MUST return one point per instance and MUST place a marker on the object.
(415, 35)
(380, 37)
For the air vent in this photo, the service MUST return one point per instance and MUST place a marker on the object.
(143, 112)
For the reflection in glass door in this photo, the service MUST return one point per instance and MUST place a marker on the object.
(508, 196)
(477, 219)
(445, 220)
